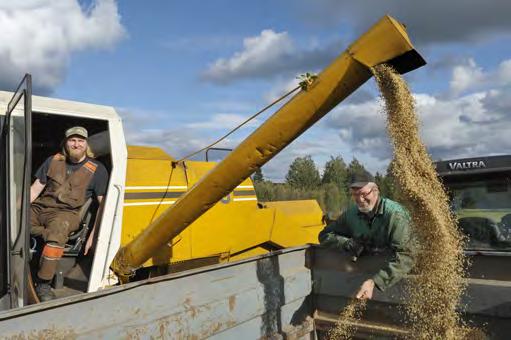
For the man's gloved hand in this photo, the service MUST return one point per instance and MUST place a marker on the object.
(354, 247)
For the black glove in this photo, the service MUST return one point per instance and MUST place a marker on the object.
(354, 247)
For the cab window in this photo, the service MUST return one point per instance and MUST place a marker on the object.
(483, 209)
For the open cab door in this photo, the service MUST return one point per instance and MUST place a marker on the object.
(15, 176)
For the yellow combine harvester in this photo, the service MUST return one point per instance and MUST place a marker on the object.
(160, 215)
(236, 227)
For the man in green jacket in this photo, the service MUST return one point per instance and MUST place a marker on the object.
(371, 225)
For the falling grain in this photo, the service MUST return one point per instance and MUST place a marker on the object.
(345, 327)
(436, 290)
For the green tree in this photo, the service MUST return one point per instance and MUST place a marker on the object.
(388, 184)
(382, 183)
(335, 172)
(303, 174)
(391, 186)
(258, 175)
(334, 199)
(265, 191)
(331, 192)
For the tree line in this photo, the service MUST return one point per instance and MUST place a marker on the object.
(330, 189)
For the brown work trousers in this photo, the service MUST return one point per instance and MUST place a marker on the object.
(53, 224)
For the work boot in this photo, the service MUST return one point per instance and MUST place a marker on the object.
(44, 292)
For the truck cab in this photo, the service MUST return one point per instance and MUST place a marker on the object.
(480, 193)
(32, 130)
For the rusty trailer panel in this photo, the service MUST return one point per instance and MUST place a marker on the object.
(262, 297)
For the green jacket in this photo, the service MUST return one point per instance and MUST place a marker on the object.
(389, 228)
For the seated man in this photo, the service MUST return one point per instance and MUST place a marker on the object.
(372, 224)
(63, 184)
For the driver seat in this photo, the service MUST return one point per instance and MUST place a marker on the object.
(78, 237)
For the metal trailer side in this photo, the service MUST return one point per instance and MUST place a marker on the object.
(293, 294)
(485, 304)
(261, 297)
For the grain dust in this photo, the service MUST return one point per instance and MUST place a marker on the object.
(436, 290)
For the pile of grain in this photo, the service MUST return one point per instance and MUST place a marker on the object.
(436, 291)
(345, 326)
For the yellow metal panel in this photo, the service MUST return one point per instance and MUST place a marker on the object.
(150, 173)
(308, 212)
(136, 218)
(153, 185)
(196, 170)
(147, 152)
(153, 172)
(377, 44)
(296, 223)
(232, 228)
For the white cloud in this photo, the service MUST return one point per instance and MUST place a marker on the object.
(279, 89)
(473, 121)
(143, 127)
(466, 76)
(268, 55)
(470, 76)
(475, 124)
(498, 101)
(504, 72)
(39, 37)
(259, 51)
(362, 126)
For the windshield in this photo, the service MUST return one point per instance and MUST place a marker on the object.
(483, 208)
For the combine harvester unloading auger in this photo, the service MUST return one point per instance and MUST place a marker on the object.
(261, 296)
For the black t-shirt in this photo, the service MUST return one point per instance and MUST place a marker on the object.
(97, 185)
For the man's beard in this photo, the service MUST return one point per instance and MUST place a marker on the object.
(76, 154)
(364, 210)
(367, 208)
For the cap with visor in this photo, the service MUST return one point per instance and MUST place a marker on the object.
(77, 131)
(359, 180)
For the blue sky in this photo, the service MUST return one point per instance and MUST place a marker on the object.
(181, 74)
